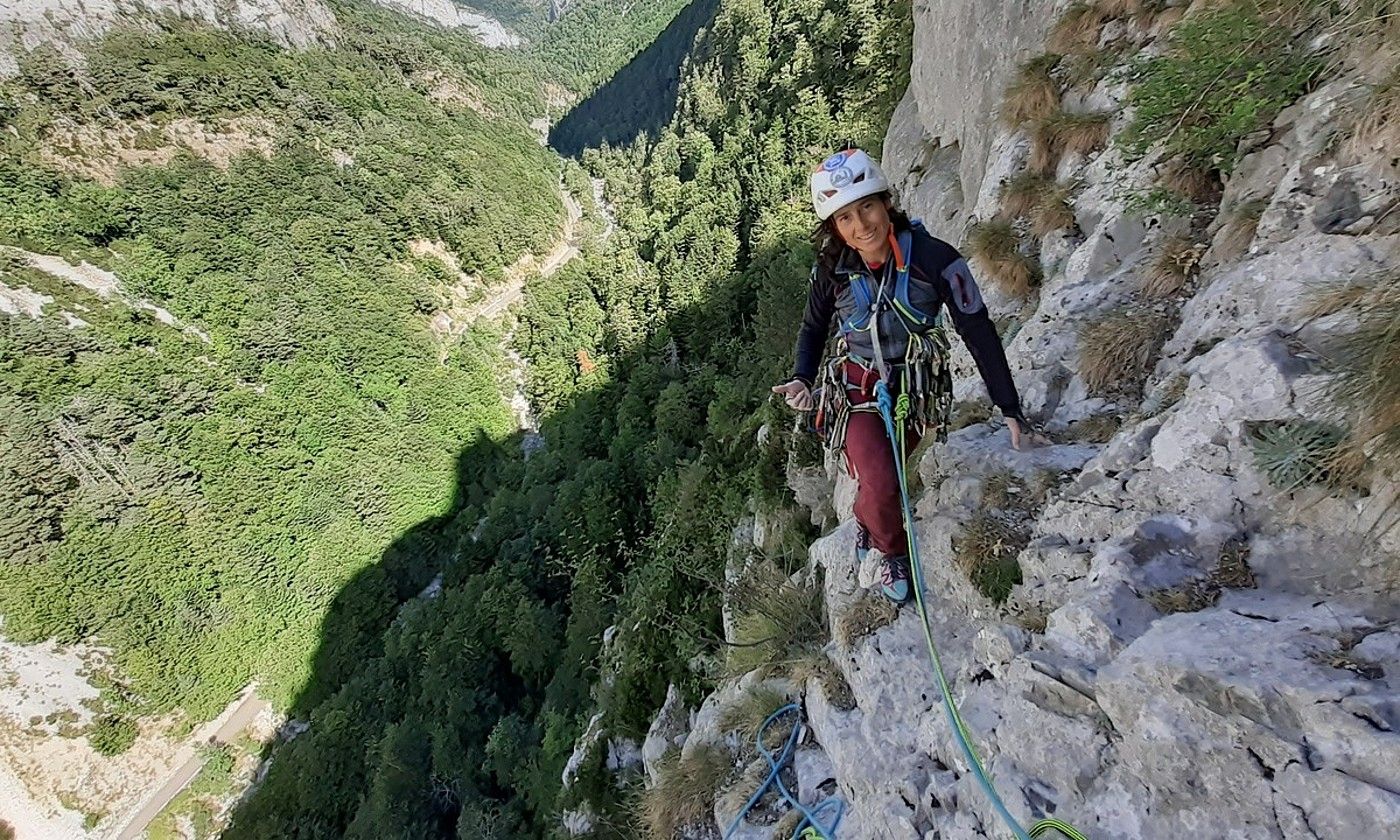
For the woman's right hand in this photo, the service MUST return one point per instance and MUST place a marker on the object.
(797, 395)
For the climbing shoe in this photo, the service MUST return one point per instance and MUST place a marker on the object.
(894, 578)
(862, 543)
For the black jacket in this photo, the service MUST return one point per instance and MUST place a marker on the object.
(939, 276)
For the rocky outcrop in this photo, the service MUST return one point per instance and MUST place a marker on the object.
(25, 24)
(1190, 651)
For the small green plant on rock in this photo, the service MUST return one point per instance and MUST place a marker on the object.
(112, 734)
(1296, 453)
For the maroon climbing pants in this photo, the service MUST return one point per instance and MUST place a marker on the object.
(871, 461)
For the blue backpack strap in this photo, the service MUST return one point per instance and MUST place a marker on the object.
(860, 289)
(911, 313)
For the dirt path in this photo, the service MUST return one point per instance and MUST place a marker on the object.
(226, 727)
(511, 291)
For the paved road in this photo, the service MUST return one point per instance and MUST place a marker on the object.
(233, 723)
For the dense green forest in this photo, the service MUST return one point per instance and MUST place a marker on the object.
(197, 506)
(618, 111)
(650, 359)
(260, 496)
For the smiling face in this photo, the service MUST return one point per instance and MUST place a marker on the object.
(864, 225)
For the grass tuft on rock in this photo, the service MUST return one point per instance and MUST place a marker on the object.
(1100, 428)
(995, 248)
(1066, 132)
(1378, 129)
(1296, 453)
(750, 709)
(684, 793)
(1117, 350)
(1237, 232)
(1178, 260)
(1077, 30)
(1034, 94)
(818, 666)
(867, 614)
(1023, 192)
(1231, 572)
(986, 552)
(1367, 383)
(777, 623)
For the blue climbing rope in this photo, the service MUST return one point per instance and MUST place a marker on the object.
(894, 415)
(810, 826)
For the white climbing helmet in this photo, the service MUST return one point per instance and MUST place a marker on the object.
(843, 178)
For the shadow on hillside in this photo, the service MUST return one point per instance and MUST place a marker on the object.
(641, 97)
(409, 684)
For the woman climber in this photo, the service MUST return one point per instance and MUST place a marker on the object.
(886, 279)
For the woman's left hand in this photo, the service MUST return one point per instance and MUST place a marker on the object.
(1026, 435)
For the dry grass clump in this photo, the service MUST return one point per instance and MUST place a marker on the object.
(1078, 29)
(986, 553)
(1066, 132)
(1053, 212)
(1034, 94)
(995, 248)
(819, 666)
(1165, 395)
(777, 623)
(1231, 572)
(1023, 192)
(1036, 196)
(1099, 428)
(1116, 351)
(684, 793)
(868, 614)
(1178, 260)
(1237, 232)
(750, 709)
(1192, 182)
(1346, 660)
(1367, 383)
(1378, 129)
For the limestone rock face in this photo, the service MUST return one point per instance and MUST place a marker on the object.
(965, 51)
(1189, 651)
(25, 24)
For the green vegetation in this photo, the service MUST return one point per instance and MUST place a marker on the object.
(457, 718)
(1228, 70)
(685, 789)
(595, 38)
(777, 623)
(196, 506)
(112, 735)
(1295, 454)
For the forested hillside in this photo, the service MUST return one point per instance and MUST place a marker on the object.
(650, 359)
(195, 500)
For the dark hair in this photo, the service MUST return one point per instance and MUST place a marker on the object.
(829, 244)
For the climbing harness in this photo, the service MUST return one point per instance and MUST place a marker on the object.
(894, 412)
(925, 374)
(810, 828)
